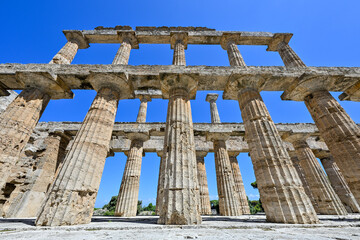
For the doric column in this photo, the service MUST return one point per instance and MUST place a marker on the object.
(228, 43)
(300, 171)
(160, 187)
(25, 201)
(181, 198)
(128, 41)
(239, 185)
(72, 196)
(340, 133)
(179, 44)
(203, 185)
(127, 200)
(229, 199)
(211, 98)
(289, 57)
(339, 184)
(282, 194)
(18, 121)
(327, 201)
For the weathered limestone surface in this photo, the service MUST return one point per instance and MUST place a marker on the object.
(239, 184)
(127, 200)
(160, 187)
(42, 164)
(339, 184)
(341, 135)
(300, 171)
(203, 185)
(16, 125)
(6, 100)
(327, 201)
(66, 54)
(282, 194)
(72, 196)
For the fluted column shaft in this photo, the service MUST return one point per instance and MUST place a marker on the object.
(72, 196)
(282, 195)
(123, 54)
(239, 184)
(234, 55)
(327, 200)
(181, 204)
(17, 123)
(179, 53)
(339, 184)
(203, 185)
(289, 57)
(66, 54)
(341, 135)
(214, 112)
(25, 201)
(160, 187)
(300, 171)
(141, 117)
(126, 205)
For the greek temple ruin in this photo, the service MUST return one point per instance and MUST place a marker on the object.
(52, 170)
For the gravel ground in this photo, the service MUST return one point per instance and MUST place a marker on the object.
(213, 227)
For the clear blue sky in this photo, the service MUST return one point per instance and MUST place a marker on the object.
(326, 33)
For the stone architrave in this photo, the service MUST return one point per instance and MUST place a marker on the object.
(203, 185)
(127, 200)
(72, 196)
(239, 184)
(339, 184)
(25, 201)
(339, 131)
(19, 119)
(282, 194)
(328, 202)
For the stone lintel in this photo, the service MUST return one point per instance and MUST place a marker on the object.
(115, 80)
(176, 80)
(228, 37)
(307, 84)
(52, 84)
(129, 36)
(212, 136)
(237, 82)
(278, 38)
(211, 97)
(148, 94)
(178, 36)
(77, 37)
(352, 93)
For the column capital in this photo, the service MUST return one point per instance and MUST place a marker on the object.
(48, 83)
(227, 38)
(138, 135)
(178, 37)
(293, 137)
(171, 81)
(129, 37)
(201, 154)
(233, 154)
(322, 154)
(160, 153)
(214, 136)
(240, 82)
(77, 37)
(277, 39)
(211, 97)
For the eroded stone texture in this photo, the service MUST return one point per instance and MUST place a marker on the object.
(127, 200)
(126, 204)
(289, 57)
(27, 197)
(327, 201)
(339, 184)
(6, 100)
(281, 192)
(181, 198)
(300, 171)
(203, 185)
(72, 196)
(341, 135)
(160, 187)
(239, 184)
(16, 125)
(66, 54)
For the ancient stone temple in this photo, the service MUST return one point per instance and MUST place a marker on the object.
(52, 171)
